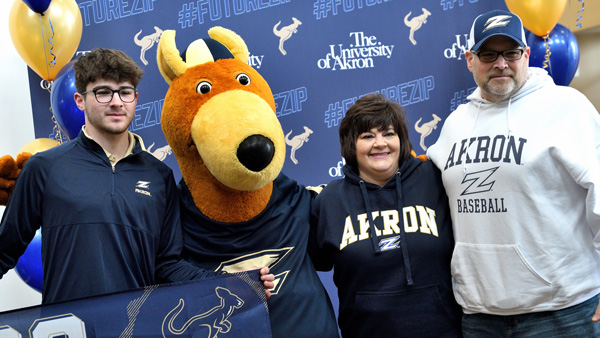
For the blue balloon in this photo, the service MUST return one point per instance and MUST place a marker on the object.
(29, 266)
(68, 116)
(38, 6)
(564, 54)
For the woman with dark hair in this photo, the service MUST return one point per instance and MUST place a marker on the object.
(386, 232)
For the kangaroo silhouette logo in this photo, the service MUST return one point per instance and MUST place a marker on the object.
(146, 42)
(285, 32)
(160, 153)
(426, 128)
(214, 319)
(415, 23)
(296, 142)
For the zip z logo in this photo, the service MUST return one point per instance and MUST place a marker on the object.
(479, 181)
(496, 21)
(143, 185)
(389, 243)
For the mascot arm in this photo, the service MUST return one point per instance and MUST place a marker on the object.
(9, 171)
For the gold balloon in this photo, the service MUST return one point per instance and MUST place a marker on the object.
(46, 42)
(39, 144)
(538, 16)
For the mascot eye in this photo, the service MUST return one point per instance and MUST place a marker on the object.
(243, 79)
(203, 87)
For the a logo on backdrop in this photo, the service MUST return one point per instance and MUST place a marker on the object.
(196, 12)
(255, 61)
(405, 93)
(290, 101)
(160, 153)
(146, 42)
(415, 23)
(214, 319)
(449, 4)
(337, 170)
(425, 129)
(324, 8)
(457, 51)
(285, 32)
(297, 142)
(99, 12)
(358, 55)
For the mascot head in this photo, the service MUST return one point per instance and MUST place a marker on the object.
(219, 113)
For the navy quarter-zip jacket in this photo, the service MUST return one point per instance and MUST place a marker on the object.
(104, 229)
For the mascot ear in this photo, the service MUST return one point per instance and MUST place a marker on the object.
(232, 41)
(170, 63)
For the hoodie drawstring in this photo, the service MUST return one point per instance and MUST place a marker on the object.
(403, 246)
(372, 229)
(464, 168)
(508, 126)
(365, 197)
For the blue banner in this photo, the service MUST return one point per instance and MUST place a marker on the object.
(232, 305)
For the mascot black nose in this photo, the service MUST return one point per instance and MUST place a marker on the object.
(256, 152)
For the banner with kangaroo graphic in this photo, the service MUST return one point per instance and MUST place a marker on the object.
(232, 305)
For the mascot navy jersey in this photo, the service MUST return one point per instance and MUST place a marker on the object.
(276, 238)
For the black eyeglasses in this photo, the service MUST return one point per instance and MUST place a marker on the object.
(105, 95)
(508, 55)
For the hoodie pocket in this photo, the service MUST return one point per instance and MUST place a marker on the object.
(419, 312)
(497, 278)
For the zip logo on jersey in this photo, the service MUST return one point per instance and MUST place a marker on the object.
(389, 243)
(480, 181)
(142, 187)
(269, 258)
(496, 21)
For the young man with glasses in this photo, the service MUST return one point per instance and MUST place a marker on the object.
(521, 166)
(109, 211)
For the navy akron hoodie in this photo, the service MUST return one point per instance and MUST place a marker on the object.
(396, 283)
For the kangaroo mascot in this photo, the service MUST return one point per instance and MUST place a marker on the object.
(238, 210)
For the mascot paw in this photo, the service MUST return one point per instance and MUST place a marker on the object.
(421, 157)
(9, 171)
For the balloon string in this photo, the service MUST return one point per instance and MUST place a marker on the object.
(548, 53)
(56, 129)
(579, 17)
(44, 46)
(53, 62)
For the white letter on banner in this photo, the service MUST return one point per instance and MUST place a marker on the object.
(68, 324)
(9, 332)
